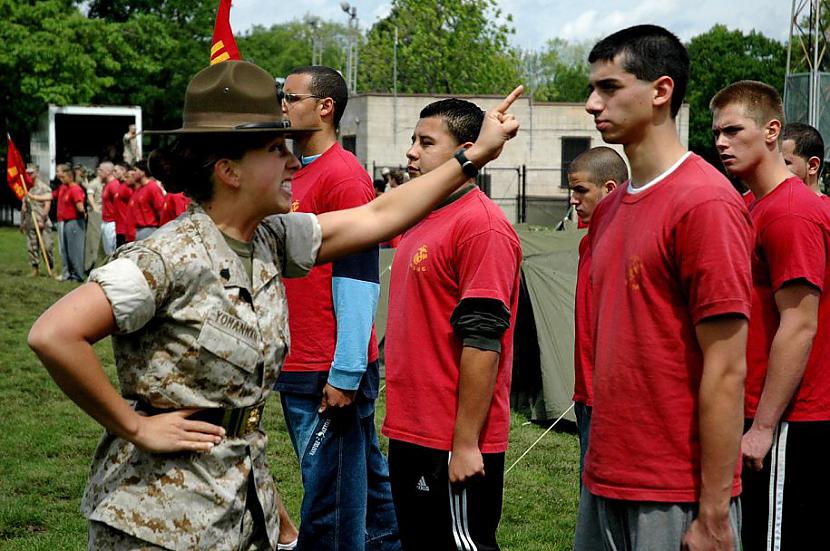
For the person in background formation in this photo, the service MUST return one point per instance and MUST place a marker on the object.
(787, 394)
(591, 176)
(449, 349)
(109, 196)
(124, 216)
(199, 321)
(174, 205)
(380, 186)
(803, 149)
(130, 143)
(330, 380)
(35, 210)
(92, 246)
(71, 210)
(148, 201)
(670, 298)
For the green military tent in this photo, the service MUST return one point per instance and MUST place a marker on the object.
(544, 334)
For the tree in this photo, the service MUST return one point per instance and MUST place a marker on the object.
(720, 57)
(559, 72)
(444, 47)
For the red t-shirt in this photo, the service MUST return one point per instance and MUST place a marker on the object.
(174, 205)
(583, 345)
(748, 197)
(792, 237)
(662, 260)
(466, 249)
(149, 203)
(124, 218)
(334, 181)
(108, 197)
(68, 197)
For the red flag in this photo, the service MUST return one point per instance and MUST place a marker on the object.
(16, 175)
(224, 45)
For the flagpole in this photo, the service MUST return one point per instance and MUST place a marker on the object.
(37, 226)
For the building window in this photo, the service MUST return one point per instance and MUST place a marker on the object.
(350, 144)
(571, 149)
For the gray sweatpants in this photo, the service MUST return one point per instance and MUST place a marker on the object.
(74, 239)
(615, 525)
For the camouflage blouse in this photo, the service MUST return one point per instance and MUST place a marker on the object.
(194, 331)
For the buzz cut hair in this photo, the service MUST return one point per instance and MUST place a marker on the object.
(648, 52)
(760, 101)
(463, 118)
(807, 140)
(600, 164)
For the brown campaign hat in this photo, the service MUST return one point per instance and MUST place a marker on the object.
(232, 96)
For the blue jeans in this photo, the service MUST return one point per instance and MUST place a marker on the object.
(347, 501)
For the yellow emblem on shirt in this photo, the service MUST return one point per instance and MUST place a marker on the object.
(418, 263)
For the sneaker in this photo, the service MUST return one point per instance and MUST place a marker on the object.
(287, 546)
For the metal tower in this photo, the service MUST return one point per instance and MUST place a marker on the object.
(807, 85)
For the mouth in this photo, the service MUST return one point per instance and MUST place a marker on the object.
(286, 185)
(601, 124)
(726, 158)
(412, 171)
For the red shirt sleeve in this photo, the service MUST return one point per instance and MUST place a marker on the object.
(794, 249)
(348, 194)
(713, 250)
(487, 265)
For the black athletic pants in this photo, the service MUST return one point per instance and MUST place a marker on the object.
(435, 516)
(784, 506)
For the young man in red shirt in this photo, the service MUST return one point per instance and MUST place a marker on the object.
(591, 176)
(124, 218)
(71, 201)
(148, 201)
(670, 282)
(787, 397)
(109, 194)
(329, 382)
(449, 350)
(803, 149)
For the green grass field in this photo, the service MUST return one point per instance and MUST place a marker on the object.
(46, 442)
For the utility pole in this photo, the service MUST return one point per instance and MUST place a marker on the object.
(807, 84)
(351, 46)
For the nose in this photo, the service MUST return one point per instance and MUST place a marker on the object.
(573, 200)
(293, 163)
(593, 104)
(720, 142)
(284, 106)
(411, 153)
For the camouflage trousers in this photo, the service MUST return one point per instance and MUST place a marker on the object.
(33, 248)
(252, 533)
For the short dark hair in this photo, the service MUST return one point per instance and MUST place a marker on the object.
(808, 141)
(463, 118)
(761, 102)
(327, 83)
(648, 52)
(380, 185)
(600, 164)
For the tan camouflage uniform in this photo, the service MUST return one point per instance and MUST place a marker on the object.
(189, 337)
(32, 245)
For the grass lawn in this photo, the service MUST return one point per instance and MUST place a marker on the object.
(47, 442)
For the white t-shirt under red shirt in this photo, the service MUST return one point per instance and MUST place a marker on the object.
(663, 258)
(466, 249)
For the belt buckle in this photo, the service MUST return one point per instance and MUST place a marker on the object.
(251, 419)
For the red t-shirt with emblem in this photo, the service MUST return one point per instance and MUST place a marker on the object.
(662, 261)
(108, 197)
(792, 237)
(149, 203)
(466, 249)
(583, 345)
(124, 217)
(334, 181)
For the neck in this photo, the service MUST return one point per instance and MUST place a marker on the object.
(232, 217)
(812, 183)
(657, 150)
(315, 143)
(767, 174)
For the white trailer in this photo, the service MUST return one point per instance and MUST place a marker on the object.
(82, 134)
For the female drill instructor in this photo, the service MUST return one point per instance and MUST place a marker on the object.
(198, 317)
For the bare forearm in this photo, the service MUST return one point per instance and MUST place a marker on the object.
(787, 362)
(476, 381)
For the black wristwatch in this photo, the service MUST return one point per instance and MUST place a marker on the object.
(467, 167)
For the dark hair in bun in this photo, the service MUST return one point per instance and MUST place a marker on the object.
(186, 165)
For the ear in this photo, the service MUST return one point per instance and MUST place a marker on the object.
(771, 131)
(663, 91)
(326, 107)
(609, 186)
(226, 172)
(465, 145)
(813, 165)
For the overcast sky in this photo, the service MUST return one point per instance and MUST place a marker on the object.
(536, 21)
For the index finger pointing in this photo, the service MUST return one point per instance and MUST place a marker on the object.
(508, 101)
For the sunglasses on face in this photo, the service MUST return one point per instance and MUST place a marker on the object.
(294, 98)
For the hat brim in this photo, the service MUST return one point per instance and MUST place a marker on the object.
(272, 127)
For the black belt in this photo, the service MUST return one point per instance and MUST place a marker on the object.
(236, 421)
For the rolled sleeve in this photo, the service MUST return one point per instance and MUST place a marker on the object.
(299, 237)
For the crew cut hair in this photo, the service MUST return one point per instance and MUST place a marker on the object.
(648, 52)
(600, 164)
(808, 141)
(327, 83)
(463, 118)
(761, 102)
